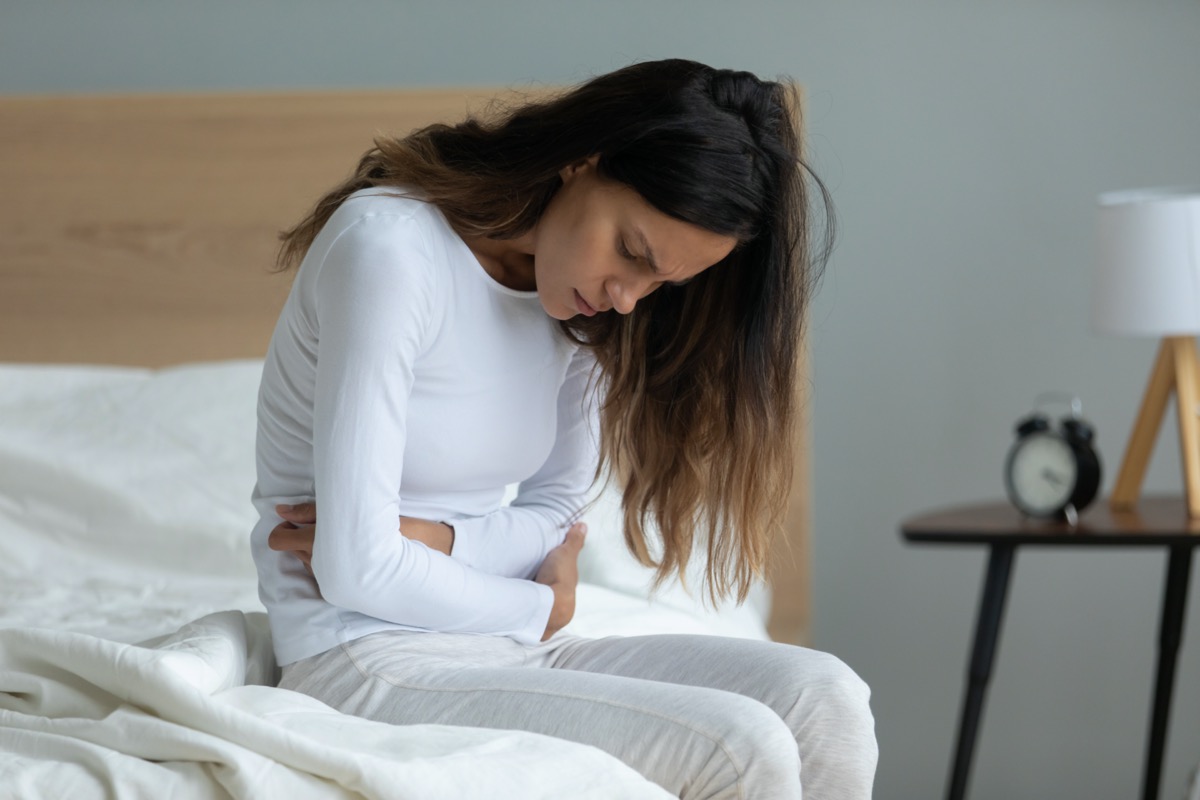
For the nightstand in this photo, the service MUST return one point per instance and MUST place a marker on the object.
(1155, 522)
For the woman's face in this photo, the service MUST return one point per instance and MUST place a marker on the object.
(599, 245)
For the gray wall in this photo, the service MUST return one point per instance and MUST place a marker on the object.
(964, 144)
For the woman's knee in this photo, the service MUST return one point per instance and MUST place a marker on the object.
(753, 755)
(844, 685)
(834, 728)
(823, 689)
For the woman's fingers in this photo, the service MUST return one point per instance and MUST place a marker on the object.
(301, 513)
(294, 539)
(286, 536)
(576, 535)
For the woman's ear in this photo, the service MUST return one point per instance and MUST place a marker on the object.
(579, 166)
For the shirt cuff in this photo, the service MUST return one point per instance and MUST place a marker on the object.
(535, 628)
(466, 540)
(466, 533)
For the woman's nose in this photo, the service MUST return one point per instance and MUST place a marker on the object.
(625, 294)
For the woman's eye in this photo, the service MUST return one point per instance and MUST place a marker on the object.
(623, 251)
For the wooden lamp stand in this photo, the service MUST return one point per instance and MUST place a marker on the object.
(1177, 368)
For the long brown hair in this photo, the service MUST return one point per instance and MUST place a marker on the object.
(699, 381)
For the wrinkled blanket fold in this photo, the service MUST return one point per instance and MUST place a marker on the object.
(195, 715)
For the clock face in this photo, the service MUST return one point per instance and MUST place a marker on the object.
(1042, 474)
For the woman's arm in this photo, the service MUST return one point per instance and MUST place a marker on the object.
(513, 541)
(374, 299)
(290, 535)
(559, 570)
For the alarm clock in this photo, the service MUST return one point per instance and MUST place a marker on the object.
(1053, 473)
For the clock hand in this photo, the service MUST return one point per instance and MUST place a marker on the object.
(1052, 477)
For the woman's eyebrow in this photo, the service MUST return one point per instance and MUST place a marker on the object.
(650, 256)
(646, 247)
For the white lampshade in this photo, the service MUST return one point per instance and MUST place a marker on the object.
(1147, 280)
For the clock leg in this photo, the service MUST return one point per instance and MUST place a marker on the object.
(983, 652)
(1179, 566)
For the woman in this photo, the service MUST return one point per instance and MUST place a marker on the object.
(613, 282)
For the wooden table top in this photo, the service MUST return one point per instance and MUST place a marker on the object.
(1155, 521)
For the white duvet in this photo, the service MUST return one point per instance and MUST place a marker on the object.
(124, 518)
(188, 717)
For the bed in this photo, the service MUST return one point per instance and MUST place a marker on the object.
(136, 303)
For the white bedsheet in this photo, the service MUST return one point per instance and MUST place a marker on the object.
(124, 515)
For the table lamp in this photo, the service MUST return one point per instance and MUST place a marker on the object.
(1147, 283)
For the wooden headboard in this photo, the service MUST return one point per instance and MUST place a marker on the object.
(140, 230)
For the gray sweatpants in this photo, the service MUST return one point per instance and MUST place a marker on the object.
(702, 716)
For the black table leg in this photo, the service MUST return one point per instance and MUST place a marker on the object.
(983, 651)
(1179, 567)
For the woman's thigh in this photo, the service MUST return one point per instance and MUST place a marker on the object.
(696, 742)
(823, 702)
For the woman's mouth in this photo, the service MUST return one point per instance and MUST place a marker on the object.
(583, 306)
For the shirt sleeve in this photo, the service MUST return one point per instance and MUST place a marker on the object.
(513, 541)
(374, 296)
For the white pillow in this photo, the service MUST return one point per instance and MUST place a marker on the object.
(131, 468)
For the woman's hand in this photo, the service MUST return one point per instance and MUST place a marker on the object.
(298, 530)
(435, 535)
(296, 533)
(560, 571)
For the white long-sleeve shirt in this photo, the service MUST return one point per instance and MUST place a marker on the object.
(402, 379)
